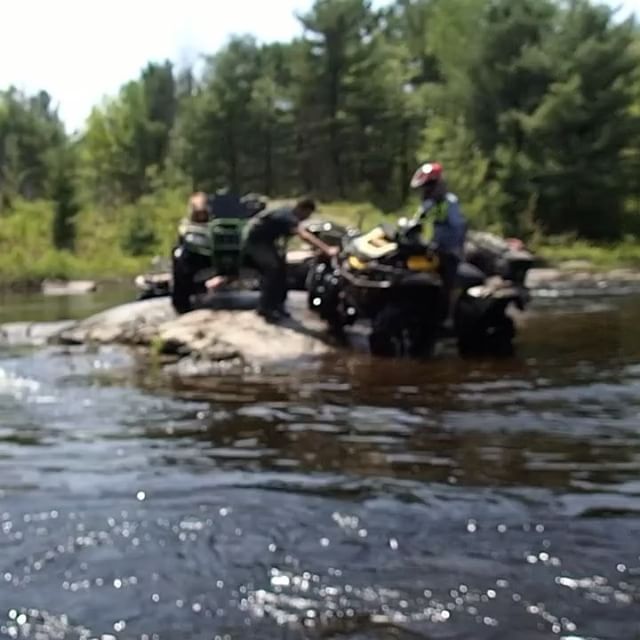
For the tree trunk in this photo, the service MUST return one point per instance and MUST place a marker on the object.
(232, 157)
(405, 169)
(268, 161)
(334, 71)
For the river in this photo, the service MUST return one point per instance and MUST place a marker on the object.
(356, 499)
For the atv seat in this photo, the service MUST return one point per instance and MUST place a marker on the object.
(374, 244)
(228, 206)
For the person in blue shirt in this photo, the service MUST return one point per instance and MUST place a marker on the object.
(449, 224)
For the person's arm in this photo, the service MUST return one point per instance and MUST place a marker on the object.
(314, 241)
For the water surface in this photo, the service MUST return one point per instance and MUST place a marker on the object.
(359, 498)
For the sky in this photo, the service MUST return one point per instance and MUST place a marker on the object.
(81, 51)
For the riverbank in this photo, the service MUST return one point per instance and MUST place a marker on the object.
(582, 255)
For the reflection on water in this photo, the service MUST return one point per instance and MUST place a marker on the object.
(357, 499)
(35, 307)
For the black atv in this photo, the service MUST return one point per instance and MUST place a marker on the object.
(209, 249)
(390, 277)
(482, 324)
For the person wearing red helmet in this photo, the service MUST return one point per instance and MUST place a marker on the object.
(449, 223)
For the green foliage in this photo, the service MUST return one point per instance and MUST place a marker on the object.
(468, 170)
(225, 131)
(28, 255)
(625, 253)
(139, 235)
(577, 134)
(127, 139)
(30, 135)
(63, 193)
(532, 106)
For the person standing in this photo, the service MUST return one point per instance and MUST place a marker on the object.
(265, 244)
(449, 225)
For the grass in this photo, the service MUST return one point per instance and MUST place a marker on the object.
(103, 247)
(120, 243)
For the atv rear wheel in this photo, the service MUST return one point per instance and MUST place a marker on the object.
(478, 336)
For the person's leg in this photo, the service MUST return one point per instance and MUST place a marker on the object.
(449, 273)
(281, 284)
(267, 261)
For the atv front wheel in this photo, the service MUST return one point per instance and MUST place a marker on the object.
(183, 287)
(400, 332)
(315, 275)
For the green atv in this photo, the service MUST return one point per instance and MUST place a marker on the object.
(212, 248)
(215, 248)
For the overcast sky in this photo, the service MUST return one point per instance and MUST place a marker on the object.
(82, 50)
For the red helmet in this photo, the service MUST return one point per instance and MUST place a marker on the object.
(428, 172)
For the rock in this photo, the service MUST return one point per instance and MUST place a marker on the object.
(576, 265)
(132, 323)
(542, 276)
(562, 278)
(624, 275)
(205, 335)
(558, 278)
(20, 334)
(70, 288)
(226, 335)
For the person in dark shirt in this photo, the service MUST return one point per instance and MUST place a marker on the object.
(265, 246)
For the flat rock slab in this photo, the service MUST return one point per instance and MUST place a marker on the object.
(132, 323)
(205, 335)
(226, 335)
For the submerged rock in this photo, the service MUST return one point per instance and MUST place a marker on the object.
(556, 282)
(68, 288)
(132, 323)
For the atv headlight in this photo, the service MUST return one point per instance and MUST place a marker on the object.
(476, 292)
